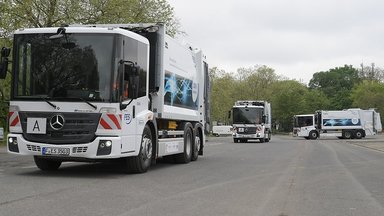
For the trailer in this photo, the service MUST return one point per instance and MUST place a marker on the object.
(344, 124)
(125, 92)
(251, 120)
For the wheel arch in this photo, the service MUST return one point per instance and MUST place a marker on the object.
(199, 127)
(153, 127)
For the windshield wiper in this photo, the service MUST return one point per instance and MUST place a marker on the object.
(89, 103)
(48, 102)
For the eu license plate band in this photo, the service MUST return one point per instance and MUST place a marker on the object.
(54, 151)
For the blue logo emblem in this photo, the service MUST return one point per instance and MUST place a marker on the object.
(127, 118)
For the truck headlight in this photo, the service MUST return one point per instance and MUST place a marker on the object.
(13, 145)
(105, 147)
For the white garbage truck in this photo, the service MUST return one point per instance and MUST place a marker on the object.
(251, 120)
(104, 92)
(344, 124)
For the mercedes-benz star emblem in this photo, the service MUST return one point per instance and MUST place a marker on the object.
(57, 122)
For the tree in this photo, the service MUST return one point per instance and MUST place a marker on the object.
(336, 84)
(4, 98)
(47, 13)
(256, 81)
(371, 73)
(315, 100)
(288, 99)
(369, 94)
(222, 94)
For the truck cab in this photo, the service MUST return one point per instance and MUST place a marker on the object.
(102, 92)
(305, 126)
(251, 120)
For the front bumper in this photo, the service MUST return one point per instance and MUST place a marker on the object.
(248, 136)
(90, 150)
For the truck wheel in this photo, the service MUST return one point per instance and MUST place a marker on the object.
(46, 164)
(347, 134)
(262, 140)
(141, 162)
(186, 156)
(196, 145)
(313, 135)
(235, 140)
(358, 134)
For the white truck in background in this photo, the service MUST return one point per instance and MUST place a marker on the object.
(344, 124)
(105, 92)
(251, 120)
(219, 130)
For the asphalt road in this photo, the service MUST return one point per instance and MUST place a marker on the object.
(286, 177)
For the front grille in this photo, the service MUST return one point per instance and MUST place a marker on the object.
(34, 148)
(78, 128)
(79, 149)
(247, 130)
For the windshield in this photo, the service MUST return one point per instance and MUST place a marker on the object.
(303, 121)
(247, 115)
(75, 66)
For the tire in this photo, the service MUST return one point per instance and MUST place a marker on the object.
(268, 137)
(307, 138)
(46, 164)
(141, 162)
(262, 140)
(196, 145)
(347, 134)
(358, 134)
(235, 140)
(186, 156)
(313, 135)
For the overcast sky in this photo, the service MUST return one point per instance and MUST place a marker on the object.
(295, 37)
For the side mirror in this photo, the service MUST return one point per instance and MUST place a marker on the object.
(229, 114)
(264, 119)
(4, 62)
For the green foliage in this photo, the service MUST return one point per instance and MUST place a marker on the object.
(222, 99)
(336, 84)
(369, 94)
(5, 89)
(254, 82)
(47, 13)
(316, 100)
(287, 100)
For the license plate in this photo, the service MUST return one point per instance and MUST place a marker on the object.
(55, 151)
(36, 125)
